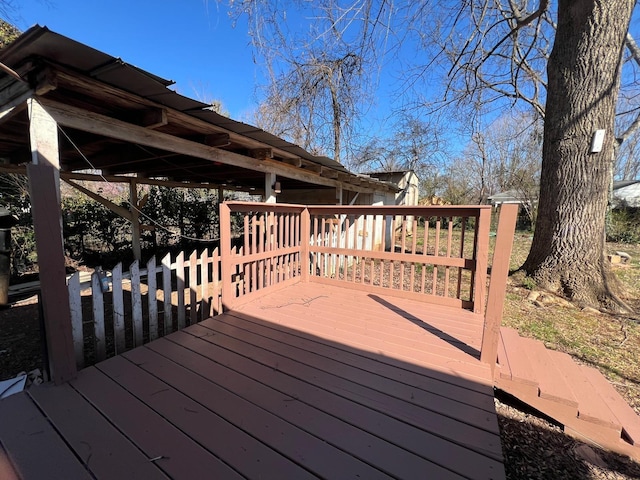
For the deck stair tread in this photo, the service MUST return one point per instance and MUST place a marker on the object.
(577, 396)
(516, 360)
(551, 383)
(591, 406)
(620, 408)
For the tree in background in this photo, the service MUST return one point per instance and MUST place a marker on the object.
(8, 33)
(320, 79)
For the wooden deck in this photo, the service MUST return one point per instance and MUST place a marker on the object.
(310, 381)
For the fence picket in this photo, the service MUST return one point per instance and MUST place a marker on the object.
(136, 304)
(180, 290)
(118, 309)
(166, 294)
(193, 292)
(152, 298)
(205, 304)
(98, 317)
(215, 277)
(75, 304)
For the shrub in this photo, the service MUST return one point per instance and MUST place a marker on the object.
(623, 225)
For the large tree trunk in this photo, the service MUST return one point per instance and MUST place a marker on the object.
(568, 250)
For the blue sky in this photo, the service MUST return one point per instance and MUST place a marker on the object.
(191, 42)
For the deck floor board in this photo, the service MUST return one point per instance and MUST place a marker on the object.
(360, 385)
(311, 381)
(379, 368)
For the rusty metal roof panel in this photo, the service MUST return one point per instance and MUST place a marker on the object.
(41, 42)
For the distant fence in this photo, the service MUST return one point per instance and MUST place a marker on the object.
(142, 304)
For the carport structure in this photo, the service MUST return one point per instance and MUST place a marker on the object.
(68, 111)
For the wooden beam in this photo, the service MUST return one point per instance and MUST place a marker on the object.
(154, 118)
(44, 192)
(217, 140)
(269, 194)
(43, 133)
(261, 153)
(124, 98)
(14, 93)
(296, 162)
(135, 219)
(8, 111)
(117, 209)
(311, 167)
(77, 118)
(228, 292)
(328, 172)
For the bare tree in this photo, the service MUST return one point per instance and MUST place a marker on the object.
(563, 59)
(319, 79)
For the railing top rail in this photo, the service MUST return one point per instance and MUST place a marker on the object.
(439, 210)
(244, 207)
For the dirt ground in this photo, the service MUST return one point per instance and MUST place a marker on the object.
(20, 338)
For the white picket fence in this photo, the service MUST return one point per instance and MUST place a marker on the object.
(108, 323)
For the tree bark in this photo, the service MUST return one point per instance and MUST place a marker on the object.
(568, 250)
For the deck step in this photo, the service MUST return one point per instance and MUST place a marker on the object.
(552, 385)
(592, 407)
(620, 408)
(516, 361)
(576, 396)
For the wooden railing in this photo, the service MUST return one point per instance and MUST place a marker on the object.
(266, 254)
(434, 254)
(438, 253)
(115, 311)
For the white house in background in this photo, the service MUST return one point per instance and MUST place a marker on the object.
(626, 193)
(510, 196)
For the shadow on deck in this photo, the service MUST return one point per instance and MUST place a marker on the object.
(309, 381)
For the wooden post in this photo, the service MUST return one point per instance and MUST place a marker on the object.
(481, 250)
(498, 285)
(135, 219)
(44, 189)
(225, 257)
(305, 238)
(220, 197)
(43, 133)
(269, 181)
(339, 195)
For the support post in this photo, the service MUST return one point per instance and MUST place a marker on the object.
(44, 190)
(305, 236)
(220, 199)
(339, 195)
(228, 295)
(498, 284)
(481, 255)
(135, 219)
(269, 181)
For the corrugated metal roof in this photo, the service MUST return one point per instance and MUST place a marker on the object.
(41, 42)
